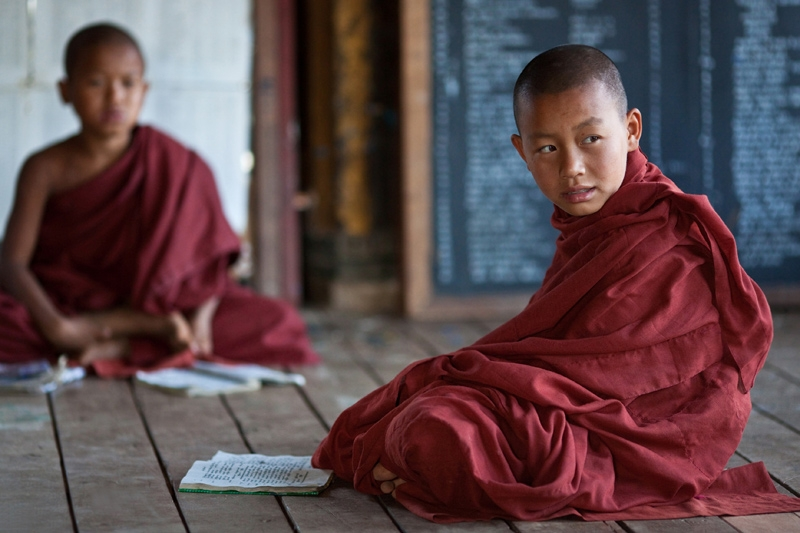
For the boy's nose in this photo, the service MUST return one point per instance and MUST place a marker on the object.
(571, 164)
(115, 92)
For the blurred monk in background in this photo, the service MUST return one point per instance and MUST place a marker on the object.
(117, 251)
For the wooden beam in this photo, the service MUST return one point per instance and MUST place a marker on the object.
(352, 23)
(319, 155)
(274, 221)
(416, 138)
(416, 101)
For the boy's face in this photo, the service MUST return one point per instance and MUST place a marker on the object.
(575, 145)
(106, 88)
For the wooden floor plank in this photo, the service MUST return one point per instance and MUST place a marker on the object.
(446, 337)
(339, 509)
(331, 388)
(114, 477)
(342, 380)
(189, 429)
(116, 482)
(779, 395)
(786, 361)
(278, 421)
(387, 346)
(781, 522)
(787, 328)
(702, 524)
(33, 496)
(767, 440)
(568, 526)
(785, 350)
(334, 387)
(412, 523)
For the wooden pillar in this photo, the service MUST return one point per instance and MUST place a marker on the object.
(416, 140)
(319, 155)
(352, 21)
(349, 160)
(273, 219)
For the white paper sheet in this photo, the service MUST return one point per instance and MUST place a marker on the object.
(227, 471)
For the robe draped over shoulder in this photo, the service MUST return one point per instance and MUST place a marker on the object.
(620, 391)
(150, 233)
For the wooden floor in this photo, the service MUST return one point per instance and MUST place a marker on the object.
(108, 455)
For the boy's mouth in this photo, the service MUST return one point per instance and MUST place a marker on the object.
(113, 115)
(579, 194)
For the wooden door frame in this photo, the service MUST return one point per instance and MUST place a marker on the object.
(274, 221)
(416, 100)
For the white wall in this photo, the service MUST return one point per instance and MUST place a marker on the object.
(198, 62)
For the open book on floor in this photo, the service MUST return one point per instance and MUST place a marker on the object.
(281, 475)
(205, 378)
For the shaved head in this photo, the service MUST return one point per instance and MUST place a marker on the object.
(93, 36)
(568, 67)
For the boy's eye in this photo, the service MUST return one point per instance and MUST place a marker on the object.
(547, 149)
(591, 139)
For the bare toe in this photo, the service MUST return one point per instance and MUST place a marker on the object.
(381, 473)
(390, 487)
(389, 480)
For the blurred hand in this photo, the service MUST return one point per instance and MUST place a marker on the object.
(75, 334)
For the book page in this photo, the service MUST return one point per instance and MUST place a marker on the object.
(227, 471)
(196, 383)
(250, 371)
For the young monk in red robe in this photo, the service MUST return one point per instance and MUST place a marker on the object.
(117, 250)
(621, 390)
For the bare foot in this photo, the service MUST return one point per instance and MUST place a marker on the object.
(389, 481)
(181, 336)
(110, 349)
(200, 322)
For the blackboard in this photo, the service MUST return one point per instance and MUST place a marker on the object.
(718, 84)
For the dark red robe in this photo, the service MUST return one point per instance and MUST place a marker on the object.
(150, 233)
(621, 391)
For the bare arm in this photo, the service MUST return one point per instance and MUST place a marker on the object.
(39, 177)
(76, 333)
(33, 190)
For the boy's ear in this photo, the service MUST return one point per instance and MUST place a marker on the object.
(634, 125)
(63, 90)
(516, 140)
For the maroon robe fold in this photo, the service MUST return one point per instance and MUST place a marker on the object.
(620, 391)
(150, 233)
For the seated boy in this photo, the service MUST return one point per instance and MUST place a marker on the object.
(117, 250)
(621, 390)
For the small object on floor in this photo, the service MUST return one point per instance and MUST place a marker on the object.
(284, 475)
(207, 379)
(38, 377)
